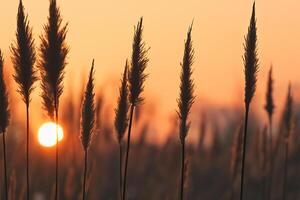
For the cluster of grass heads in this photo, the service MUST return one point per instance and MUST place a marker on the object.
(51, 65)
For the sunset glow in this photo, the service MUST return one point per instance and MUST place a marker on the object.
(47, 134)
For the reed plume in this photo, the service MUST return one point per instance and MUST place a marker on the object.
(53, 53)
(269, 107)
(4, 119)
(185, 101)
(250, 69)
(287, 124)
(23, 57)
(136, 79)
(87, 121)
(121, 119)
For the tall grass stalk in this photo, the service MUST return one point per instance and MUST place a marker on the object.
(121, 120)
(87, 122)
(136, 79)
(53, 53)
(287, 120)
(23, 57)
(264, 151)
(250, 71)
(185, 102)
(4, 121)
(236, 158)
(269, 107)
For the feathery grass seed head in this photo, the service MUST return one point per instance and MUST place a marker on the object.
(186, 98)
(250, 59)
(23, 56)
(269, 107)
(88, 112)
(121, 118)
(288, 112)
(4, 110)
(139, 62)
(53, 53)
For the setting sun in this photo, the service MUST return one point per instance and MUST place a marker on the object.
(47, 134)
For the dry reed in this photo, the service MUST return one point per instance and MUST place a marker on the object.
(87, 121)
(287, 123)
(185, 101)
(53, 53)
(23, 57)
(121, 119)
(136, 79)
(4, 120)
(269, 108)
(250, 71)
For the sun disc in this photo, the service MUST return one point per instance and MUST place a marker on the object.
(47, 134)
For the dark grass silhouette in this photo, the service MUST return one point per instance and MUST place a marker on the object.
(136, 79)
(185, 101)
(287, 123)
(269, 108)
(87, 122)
(250, 71)
(264, 152)
(4, 121)
(121, 119)
(23, 57)
(236, 154)
(53, 53)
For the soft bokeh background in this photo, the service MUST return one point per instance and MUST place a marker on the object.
(103, 30)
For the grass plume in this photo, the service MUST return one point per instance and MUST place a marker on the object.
(53, 53)
(250, 70)
(269, 108)
(23, 57)
(136, 79)
(121, 118)
(287, 123)
(185, 101)
(4, 120)
(87, 121)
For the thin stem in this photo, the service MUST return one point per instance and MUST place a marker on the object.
(264, 176)
(121, 167)
(244, 150)
(56, 164)
(271, 163)
(285, 169)
(4, 164)
(84, 175)
(127, 152)
(27, 162)
(182, 169)
(232, 190)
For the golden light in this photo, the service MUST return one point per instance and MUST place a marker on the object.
(47, 134)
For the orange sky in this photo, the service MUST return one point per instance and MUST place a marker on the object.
(103, 30)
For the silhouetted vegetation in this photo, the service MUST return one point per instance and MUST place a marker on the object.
(53, 53)
(212, 167)
(23, 58)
